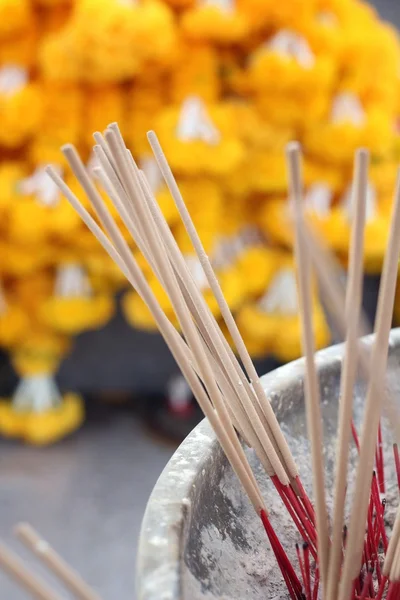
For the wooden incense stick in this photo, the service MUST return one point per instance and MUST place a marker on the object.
(100, 235)
(123, 254)
(349, 366)
(172, 287)
(168, 271)
(206, 322)
(374, 403)
(176, 261)
(394, 541)
(72, 580)
(330, 275)
(312, 396)
(224, 308)
(327, 272)
(24, 577)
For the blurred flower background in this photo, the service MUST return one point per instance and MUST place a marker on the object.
(225, 84)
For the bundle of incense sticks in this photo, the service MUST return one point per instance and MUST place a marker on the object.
(345, 557)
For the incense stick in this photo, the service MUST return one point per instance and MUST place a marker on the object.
(391, 551)
(163, 264)
(223, 306)
(204, 318)
(328, 279)
(122, 255)
(312, 396)
(72, 580)
(349, 366)
(24, 577)
(154, 219)
(374, 403)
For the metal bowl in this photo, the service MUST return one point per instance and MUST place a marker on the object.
(200, 537)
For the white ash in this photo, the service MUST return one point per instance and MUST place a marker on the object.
(252, 573)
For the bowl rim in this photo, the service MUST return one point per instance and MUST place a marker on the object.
(158, 566)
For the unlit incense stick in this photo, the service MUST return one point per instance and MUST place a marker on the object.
(312, 396)
(72, 580)
(349, 367)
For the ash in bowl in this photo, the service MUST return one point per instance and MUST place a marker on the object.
(227, 554)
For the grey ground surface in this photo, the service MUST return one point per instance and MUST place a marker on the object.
(87, 494)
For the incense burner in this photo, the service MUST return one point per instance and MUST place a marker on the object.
(200, 538)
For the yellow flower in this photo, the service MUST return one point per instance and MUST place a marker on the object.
(216, 21)
(264, 167)
(265, 14)
(18, 97)
(286, 64)
(14, 323)
(73, 307)
(275, 220)
(256, 132)
(136, 311)
(30, 291)
(371, 47)
(55, 6)
(273, 322)
(267, 173)
(63, 121)
(316, 172)
(371, 67)
(383, 175)
(40, 353)
(257, 265)
(325, 32)
(181, 4)
(332, 221)
(48, 427)
(38, 413)
(154, 35)
(104, 104)
(337, 228)
(287, 110)
(198, 76)
(40, 212)
(22, 50)
(79, 53)
(105, 275)
(19, 260)
(10, 174)
(106, 41)
(145, 98)
(198, 139)
(57, 58)
(349, 127)
(322, 186)
(15, 18)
